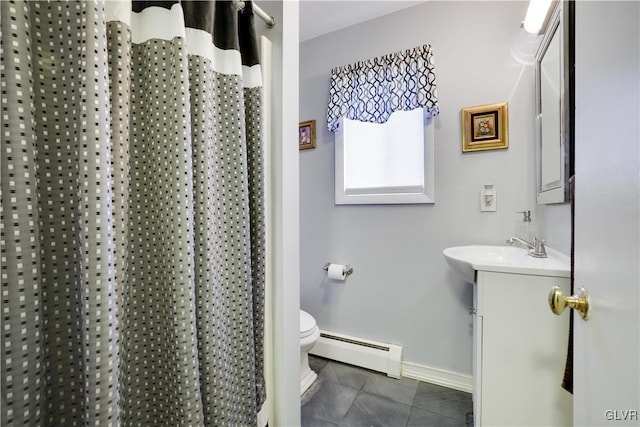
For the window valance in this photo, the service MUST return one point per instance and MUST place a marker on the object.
(371, 90)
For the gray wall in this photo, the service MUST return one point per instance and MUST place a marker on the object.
(402, 291)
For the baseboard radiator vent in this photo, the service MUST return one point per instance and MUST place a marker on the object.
(374, 355)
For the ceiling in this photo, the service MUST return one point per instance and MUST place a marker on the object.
(318, 17)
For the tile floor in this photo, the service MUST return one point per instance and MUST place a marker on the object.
(345, 395)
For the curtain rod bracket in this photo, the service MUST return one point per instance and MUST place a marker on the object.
(268, 19)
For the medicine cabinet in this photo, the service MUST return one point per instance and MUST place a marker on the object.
(554, 106)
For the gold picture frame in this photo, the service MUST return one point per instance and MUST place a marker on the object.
(307, 135)
(485, 127)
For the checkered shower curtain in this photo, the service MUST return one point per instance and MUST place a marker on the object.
(132, 214)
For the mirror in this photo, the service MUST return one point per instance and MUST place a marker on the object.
(554, 106)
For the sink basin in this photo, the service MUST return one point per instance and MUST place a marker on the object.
(466, 260)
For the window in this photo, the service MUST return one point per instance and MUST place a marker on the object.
(388, 163)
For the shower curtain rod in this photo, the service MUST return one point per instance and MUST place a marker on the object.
(268, 19)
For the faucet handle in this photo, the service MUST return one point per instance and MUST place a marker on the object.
(539, 250)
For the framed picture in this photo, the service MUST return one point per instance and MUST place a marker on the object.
(307, 135)
(485, 127)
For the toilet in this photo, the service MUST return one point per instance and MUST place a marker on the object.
(309, 334)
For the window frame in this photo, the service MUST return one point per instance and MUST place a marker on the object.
(426, 196)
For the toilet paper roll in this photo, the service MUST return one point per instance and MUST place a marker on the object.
(337, 271)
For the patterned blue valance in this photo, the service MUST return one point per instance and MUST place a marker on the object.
(371, 90)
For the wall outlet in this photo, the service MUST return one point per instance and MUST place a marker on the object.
(488, 199)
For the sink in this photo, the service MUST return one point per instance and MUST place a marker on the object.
(466, 260)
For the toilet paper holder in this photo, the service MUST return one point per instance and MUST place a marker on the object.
(347, 268)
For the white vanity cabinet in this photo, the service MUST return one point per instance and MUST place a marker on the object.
(520, 350)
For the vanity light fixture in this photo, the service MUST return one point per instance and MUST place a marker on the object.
(537, 15)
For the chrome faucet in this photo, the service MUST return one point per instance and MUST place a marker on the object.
(536, 250)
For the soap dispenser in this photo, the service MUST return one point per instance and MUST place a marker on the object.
(524, 228)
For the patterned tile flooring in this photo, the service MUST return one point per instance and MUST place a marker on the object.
(345, 395)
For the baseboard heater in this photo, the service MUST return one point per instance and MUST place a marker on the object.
(374, 355)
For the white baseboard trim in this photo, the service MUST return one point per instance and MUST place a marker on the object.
(441, 377)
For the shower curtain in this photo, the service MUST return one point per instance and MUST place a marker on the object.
(132, 214)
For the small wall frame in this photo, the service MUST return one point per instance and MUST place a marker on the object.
(485, 127)
(307, 135)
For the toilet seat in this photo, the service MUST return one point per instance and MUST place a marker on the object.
(307, 324)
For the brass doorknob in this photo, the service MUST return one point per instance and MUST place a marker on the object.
(558, 301)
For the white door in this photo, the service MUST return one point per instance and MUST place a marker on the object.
(607, 254)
